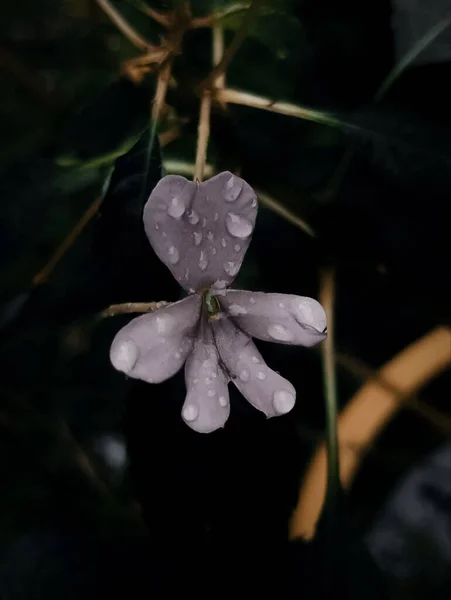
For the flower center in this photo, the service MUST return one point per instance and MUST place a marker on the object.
(211, 304)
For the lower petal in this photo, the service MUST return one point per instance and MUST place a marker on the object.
(265, 389)
(282, 318)
(206, 406)
(154, 346)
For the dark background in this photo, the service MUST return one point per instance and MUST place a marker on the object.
(103, 489)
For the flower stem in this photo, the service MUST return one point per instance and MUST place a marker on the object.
(203, 133)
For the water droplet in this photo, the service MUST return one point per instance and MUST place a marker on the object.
(213, 250)
(195, 381)
(231, 268)
(254, 203)
(211, 393)
(173, 255)
(279, 332)
(197, 237)
(223, 242)
(222, 400)
(186, 273)
(219, 284)
(164, 234)
(203, 262)
(177, 355)
(176, 208)
(236, 309)
(216, 217)
(214, 375)
(237, 247)
(232, 189)
(244, 375)
(255, 360)
(252, 300)
(281, 305)
(261, 375)
(204, 222)
(124, 356)
(207, 380)
(238, 226)
(193, 217)
(283, 401)
(190, 412)
(164, 323)
(210, 236)
(157, 227)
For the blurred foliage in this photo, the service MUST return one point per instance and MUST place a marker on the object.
(374, 188)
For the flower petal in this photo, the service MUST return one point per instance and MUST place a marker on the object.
(201, 231)
(265, 389)
(155, 346)
(282, 318)
(206, 406)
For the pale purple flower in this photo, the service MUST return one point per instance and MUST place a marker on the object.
(201, 232)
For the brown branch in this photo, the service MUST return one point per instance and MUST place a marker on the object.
(365, 416)
(163, 19)
(283, 212)
(131, 307)
(44, 273)
(203, 133)
(234, 46)
(124, 26)
(164, 76)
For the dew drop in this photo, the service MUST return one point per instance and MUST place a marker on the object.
(203, 262)
(254, 203)
(231, 268)
(176, 208)
(204, 222)
(244, 375)
(213, 250)
(252, 300)
(236, 309)
(197, 237)
(283, 401)
(177, 355)
(232, 189)
(216, 217)
(157, 227)
(164, 323)
(207, 380)
(173, 255)
(210, 236)
(261, 375)
(219, 284)
(124, 356)
(238, 226)
(193, 217)
(281, 305)
(237, 247)
(279, 332)
(222, 400)
(211, 393)
(214, 375)
(195, 381)
(190, 412)
(223, 242)
(255, 360)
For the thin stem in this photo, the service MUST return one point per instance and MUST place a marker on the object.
(229, 54)
(124, 26)
(327, 298)
(283, 108)
(45, 273)
(131, 307)
(283, 212)
(164, 75)
(218, 52)
(203, 133)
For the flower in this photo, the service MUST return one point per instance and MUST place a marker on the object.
(201, 232)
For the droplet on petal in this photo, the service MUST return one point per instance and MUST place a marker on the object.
(216, 217)
(223, 242)
(237, 247)
(125, 356)
(176, 207)
(252, 300)
(255, 360)
(213, 250)
(211, 393)
(283, 401)
(193, 217)
(231, 268)
(203, 262)
(222, 400)
(244, 375)
(232, 189)
(190, 412)
(235, 310)
(210, 236)
(238, 226)
(174, 255)
(164, 323)
(279, 332)
(261, 375)
(197, 237)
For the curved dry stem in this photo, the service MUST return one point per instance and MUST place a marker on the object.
(124, 26)
(131, 307)
(364, 417)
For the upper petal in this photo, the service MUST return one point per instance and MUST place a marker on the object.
(261, 386)
(201, 231)
(282, 318)
(154, 346)
(206, 406)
